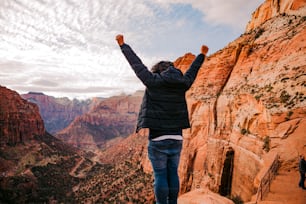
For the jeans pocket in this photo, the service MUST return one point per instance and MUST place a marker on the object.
(158, 159)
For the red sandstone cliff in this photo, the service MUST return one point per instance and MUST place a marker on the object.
(111, 118)
(273, 8)
(58, 113)
(19, 120)
(248, 103)
(33, 161)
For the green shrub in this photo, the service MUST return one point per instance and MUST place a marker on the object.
(259, 33)
(284, 97)
(289, 114)
(236, 199)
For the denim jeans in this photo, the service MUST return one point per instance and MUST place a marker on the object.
(165, 156)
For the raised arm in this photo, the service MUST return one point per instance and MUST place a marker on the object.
(193, 70)
(139, 68)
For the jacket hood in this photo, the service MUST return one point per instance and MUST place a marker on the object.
(172, 75)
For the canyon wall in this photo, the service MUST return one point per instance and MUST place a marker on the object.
(248, 102)
(111, 118)
(33, 161)
(19, 120)
(58, 113)
(272, 8)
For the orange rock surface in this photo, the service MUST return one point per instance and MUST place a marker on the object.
(248, 106)
(249, 99)
(203, 196)
(272, 8)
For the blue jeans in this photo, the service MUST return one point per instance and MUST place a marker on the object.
(165, 156)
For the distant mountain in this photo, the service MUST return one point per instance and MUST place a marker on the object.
(39, 168)
(58, 113)
(32, 161)
(111, 118)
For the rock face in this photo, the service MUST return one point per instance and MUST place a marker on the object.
(107, 120)
(35, 166)
(58, 113)
(19, 120)
(203, 196)
(247, 103)
(272, 8)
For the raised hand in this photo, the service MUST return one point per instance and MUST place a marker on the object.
(204, 49)
(120, 39)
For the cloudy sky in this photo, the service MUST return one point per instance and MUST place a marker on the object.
(68, 47)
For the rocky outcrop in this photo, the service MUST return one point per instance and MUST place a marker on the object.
(19, 120)
(248, 101)
(58, 113)
(35, 166)
(111, 118)
(203, 196)
(272, 8)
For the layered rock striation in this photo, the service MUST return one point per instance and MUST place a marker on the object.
(247, 103)
(58, 113)
(33, 162)
(111, 118)
(273, 8)
(19, 120)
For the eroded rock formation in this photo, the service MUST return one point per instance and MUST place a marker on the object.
(19, 120)
(272, 8)
(247, 103)
(107, 120)
(38, 166)
(58, 113)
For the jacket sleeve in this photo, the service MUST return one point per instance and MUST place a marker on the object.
(139, 68)
(193, 70)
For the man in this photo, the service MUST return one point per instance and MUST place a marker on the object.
(302, 169)
(164, 112)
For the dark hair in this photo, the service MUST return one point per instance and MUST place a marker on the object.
(161, 66)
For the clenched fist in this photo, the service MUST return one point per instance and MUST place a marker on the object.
(204, 49)
(120, 39)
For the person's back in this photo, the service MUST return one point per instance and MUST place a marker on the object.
(164, 104)
(164, 111)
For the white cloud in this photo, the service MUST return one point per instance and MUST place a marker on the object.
(234, 13)
(67, 47)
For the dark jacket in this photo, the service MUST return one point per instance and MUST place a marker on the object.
(164, 105)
